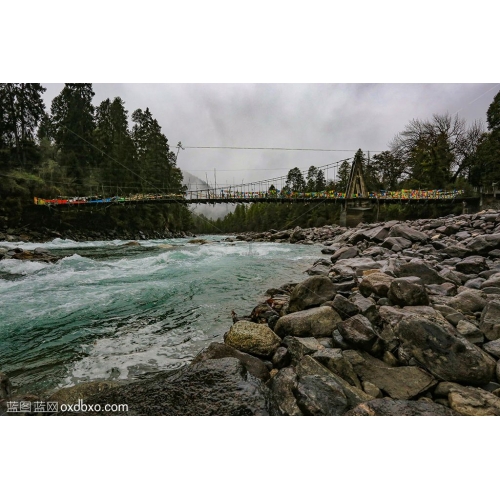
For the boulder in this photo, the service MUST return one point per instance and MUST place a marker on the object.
(472, 265)
(359, 332)
(435, 346)
(400, 408)
(211, 387)
(344, 307)
(252, 338)
(298, 347)
(403, 382)
(393, 241)
(470, 332)
(309, 366)
(377, 283)
(490, 320)
(216, 350)
(473, 401)
(316, 322)
(406, 292)
(335, 361)
(320, 395)
(311, 293)
(5, 386)
(468, 301)
(404, 231)
(493, 348)
(71, 395)
(419, 268)
(281, 358)
(481, 245)
(283, 401)
(344, 253)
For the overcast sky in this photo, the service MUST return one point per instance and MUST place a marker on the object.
(322, 116)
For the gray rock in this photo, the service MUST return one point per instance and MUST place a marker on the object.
(493, 348)
(377, 283)
(473, 401)
(403, 382)
(404, 231)
(419, 268)
(405, 292)
(316, 322)
(490, 320)
(401, 243)
(211, 387)
(216, 350)
(252, 338)
(311, 293)
(472, 265)
(468, 301)
(334, 360)
(483, 244)
(281, 358)
(319, 395)
(359, 332)
(344, 253)
(309, 366)
(470, 332)
(401, 408)
(282, 398)
(436, 347)
(344, 307)
(298, 347)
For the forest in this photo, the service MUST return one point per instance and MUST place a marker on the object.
(78, 149)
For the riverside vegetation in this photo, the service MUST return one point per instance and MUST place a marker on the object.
(396, 319)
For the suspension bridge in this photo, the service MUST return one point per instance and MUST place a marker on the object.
(275, 190)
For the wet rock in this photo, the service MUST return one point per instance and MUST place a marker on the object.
(252, 338)
(309, 366)
(407, 292)
(403, 382)
(298, 347)
(377, 283)
(282, 397)
(318, 395)
(71, 395)
(344, 307)
(359, 332)
(211, 387)
(216, 350)
(335, 361)
(436, 347)
(402, 408)
(316, 322)
(490, 320)
(281, 358)
(5, 386)
(311, 293)
(473, 401)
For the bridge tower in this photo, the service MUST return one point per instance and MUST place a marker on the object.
(356, 185)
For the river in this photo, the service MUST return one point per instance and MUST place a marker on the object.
(109, 311)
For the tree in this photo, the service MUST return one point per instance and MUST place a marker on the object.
(21, 110)
(343, 177)
(116, 156)
(431, 150)
(73, 128)
(389, 169)
(295, 180)
(493, 114)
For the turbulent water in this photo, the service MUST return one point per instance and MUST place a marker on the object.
(111, 311)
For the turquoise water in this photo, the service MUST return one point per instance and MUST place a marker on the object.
(111, 311)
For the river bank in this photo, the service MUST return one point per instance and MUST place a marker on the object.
(396, 319)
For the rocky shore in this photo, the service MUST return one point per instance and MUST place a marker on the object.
(398, 318)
